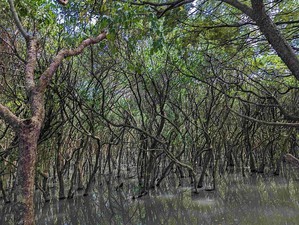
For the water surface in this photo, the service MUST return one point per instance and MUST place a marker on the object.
(237, 200)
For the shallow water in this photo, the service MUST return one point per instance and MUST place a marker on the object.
(237, 200)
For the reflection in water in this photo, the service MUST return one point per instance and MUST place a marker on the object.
(238, 200)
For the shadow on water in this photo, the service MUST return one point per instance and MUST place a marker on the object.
(237, 200)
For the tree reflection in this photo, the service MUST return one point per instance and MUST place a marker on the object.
(238, 200)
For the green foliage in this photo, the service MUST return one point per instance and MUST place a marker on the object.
(41, 13)
(183, 70)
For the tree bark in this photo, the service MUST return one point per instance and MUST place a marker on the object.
(24, 185)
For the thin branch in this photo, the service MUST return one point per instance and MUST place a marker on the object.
(175, 5)
(156, 4)
(280, 124)
(237, 24)
(169, 5)
(17, 20)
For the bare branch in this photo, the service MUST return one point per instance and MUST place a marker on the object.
(169, 5)
(17, 20)
(9, 117)
(279, 124)
(157, 4)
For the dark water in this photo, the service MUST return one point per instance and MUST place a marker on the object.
(237, 200)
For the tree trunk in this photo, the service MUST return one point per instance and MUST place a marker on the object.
(208, 157)
(24, 185)
(94, 171)
(268, 28)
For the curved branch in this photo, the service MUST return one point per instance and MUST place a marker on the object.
(279, 124)
(9, 117)
(242, 7)
(46, 77)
